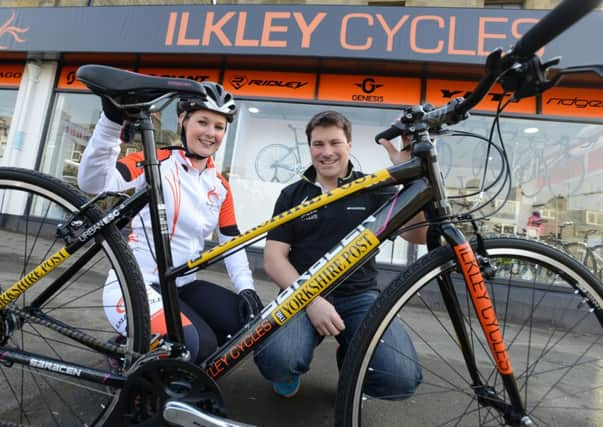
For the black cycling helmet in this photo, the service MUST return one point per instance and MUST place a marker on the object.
(217, 99)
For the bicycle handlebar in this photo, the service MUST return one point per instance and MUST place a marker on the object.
(566, 14)
(520, 59)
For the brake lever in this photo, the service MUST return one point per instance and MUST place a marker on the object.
(528, 78)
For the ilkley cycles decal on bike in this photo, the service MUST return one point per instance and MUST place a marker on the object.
(242, 347)
(483, 306)
(325, 272)
(8, 28)
(40, 271)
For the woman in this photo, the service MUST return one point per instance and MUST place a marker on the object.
(198, 200)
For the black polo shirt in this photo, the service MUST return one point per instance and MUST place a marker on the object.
(315, 233)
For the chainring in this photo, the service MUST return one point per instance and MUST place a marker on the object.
(155, 382)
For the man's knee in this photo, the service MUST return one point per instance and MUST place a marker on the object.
(278, 362)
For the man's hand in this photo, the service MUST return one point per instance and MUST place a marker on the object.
(395, 155)
(324, 317)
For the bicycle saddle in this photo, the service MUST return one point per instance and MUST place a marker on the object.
(128, 87)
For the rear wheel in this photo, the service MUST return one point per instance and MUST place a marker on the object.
(31, 207)
(550, 312)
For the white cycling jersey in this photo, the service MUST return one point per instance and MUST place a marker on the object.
(197, 203)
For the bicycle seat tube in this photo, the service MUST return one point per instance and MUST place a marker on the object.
(161, 239)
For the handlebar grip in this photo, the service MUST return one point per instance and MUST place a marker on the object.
(554, 23)
(390, 133)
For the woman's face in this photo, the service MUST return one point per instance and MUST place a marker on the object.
(204, 131)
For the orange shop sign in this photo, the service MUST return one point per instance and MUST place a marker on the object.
(10, 74)
(366, 90)
(197, 74)
(271, 84)
(68, 80)
(440, 92)
(574, 102)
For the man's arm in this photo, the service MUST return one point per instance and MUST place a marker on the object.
(321, 313)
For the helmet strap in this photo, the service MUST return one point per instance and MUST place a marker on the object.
(187, 153)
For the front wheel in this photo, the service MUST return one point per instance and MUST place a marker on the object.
(551, 318)
(68, 300)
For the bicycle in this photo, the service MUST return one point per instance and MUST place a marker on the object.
(581, 251)
(53, 333)
(281, 163)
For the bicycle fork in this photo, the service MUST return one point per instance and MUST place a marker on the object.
(515, 412)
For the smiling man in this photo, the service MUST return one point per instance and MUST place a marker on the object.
(293, 247)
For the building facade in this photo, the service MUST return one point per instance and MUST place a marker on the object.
(285, 61)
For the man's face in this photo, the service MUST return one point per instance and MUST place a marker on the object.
(330, 151)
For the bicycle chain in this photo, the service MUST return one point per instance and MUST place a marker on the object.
(74, 334)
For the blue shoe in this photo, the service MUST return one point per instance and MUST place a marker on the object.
(287, 389)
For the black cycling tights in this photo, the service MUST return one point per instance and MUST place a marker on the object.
(214, 314)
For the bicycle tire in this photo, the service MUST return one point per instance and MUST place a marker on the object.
(553, 334)
(28, 236)
(276, 163)
(582, 253)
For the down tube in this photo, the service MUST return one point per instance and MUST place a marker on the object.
(323, 276)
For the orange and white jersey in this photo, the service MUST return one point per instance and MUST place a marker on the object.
(196, 203)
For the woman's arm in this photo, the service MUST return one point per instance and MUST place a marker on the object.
(97, 171)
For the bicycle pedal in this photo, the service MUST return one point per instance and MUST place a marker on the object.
(185, 415)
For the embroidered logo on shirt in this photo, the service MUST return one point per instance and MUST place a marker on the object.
(213, 197)
(310, 216)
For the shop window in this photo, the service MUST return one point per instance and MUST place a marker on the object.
(73, 119)
(556, 167)
(8, 98)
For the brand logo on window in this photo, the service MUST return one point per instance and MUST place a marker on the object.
(448, 93)
(8, 28)
(369, 85)
(239, 81)
(576, 102)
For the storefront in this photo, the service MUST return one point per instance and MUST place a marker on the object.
(284, 63)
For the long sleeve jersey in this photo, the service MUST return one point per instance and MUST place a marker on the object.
(197, 203)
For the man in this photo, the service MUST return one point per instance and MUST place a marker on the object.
(293, 247)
